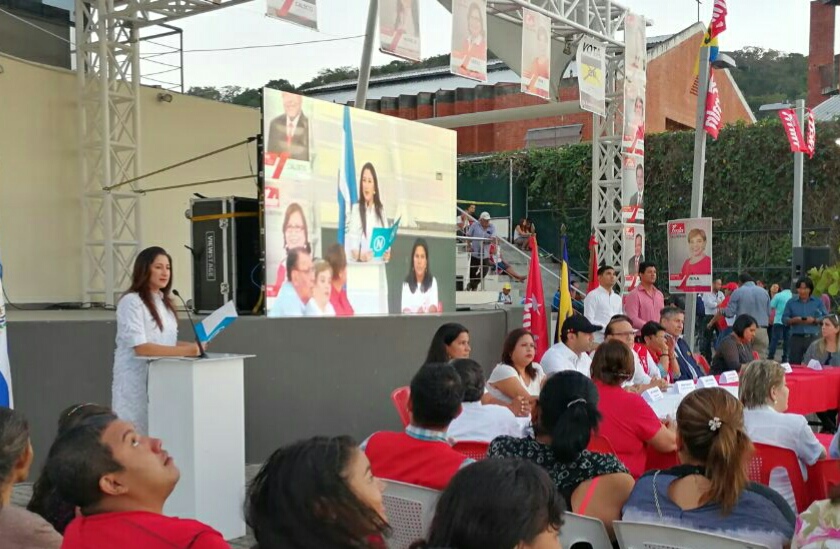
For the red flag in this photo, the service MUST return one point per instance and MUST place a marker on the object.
(792, 130)
(719, 12)
(714, 119)
(535, 318)
(810, 134)
(593, 264)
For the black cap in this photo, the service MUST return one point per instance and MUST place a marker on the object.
(577, 323)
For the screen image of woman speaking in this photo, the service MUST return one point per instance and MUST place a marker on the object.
(365, 216)
(146, 326)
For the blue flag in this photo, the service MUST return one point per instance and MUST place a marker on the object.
(347, 187)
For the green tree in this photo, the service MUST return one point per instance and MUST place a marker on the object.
(770, 76)
(207, 92)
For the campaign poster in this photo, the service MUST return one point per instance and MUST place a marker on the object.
(399, 28)
(469, 39)
(360, 222)
(536, 53)
(633, 134)
(299, 12)
(632, 189)
(690, 255)
(633, 254)
(591, 62)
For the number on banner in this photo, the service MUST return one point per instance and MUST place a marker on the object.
(707, 381)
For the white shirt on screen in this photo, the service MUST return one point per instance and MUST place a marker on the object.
(312, 309)
(419, 301)
(482, 423)
(599, 306)
(358, 241)
(559, 358)
(504, 371)
(767, 426)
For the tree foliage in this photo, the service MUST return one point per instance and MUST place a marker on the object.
(770, 76)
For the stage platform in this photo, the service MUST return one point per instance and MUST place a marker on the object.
(311, 376)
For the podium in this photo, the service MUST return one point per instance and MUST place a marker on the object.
(197, 408)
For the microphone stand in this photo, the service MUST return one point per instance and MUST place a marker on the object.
(202, 354)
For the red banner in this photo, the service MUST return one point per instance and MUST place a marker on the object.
(810, 134)
(718, 24)
(535, 317)
(713, 120)
(792, 130)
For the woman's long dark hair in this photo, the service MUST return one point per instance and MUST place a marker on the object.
(377, 202)
(140, 281)
(495, 504)
(443, 337)
(300, 499)
(510, 344)
(569, 413)
(411, 278)
(46, 501)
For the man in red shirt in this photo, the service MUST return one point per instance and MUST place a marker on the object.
(120, 480)
(422, 455)
(643, 304)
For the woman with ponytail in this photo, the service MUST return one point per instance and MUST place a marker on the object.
(710, 491)
(564, 418)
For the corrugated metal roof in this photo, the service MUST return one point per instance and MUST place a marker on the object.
(828, 110)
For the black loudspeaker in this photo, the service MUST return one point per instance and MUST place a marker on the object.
(808, 257)
(226, 253)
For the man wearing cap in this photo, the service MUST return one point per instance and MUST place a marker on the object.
(572, 353)
(504, 296)
(480, 262)
(602, 303)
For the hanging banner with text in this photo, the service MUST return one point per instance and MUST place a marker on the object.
(713, 120)
(633, 252)
(299, 12)
(792, 130)
(633, 134)
(399, 28)
(536, 53)
(718, 24)
(591, 61)
(469, 39)
(810, 134)
(690, 255)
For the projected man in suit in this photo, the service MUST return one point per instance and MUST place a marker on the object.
(636, 199)
(633, 264)
(289, 133)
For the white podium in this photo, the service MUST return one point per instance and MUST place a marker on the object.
(197, 408)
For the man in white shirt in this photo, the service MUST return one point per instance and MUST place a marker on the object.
(572, 353)
(602, 303)
(711, 302)
(480, 422)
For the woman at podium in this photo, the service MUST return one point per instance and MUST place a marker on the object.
(146, 326)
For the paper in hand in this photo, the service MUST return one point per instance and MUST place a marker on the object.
(217, 321)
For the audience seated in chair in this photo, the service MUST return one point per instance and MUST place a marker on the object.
(764, 395)
(120, 481)
(317, 493)
(710, 491)
(45, 500)
(517, 377)
(422, 455)
(19, 529)
(497, 504)
(479, 422)
(592, 484)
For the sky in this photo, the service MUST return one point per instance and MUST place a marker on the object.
(776, 24)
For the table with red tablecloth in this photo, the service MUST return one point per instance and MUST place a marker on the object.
(813, 391)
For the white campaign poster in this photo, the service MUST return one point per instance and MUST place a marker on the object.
(469, 39)
(300, 12)
(5, 370)
(399, 28)
(633, 134)
(690, 255)
(633, 188)
(536, 53)
(591, 64)
(633, 254)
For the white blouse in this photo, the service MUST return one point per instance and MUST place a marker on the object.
(136, 326)
(356, 240)
(504, 371)
(419, 301)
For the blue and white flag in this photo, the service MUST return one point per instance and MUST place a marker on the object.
(5, 371)
(347, 186)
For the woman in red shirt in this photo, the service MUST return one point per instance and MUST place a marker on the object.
(630, 424)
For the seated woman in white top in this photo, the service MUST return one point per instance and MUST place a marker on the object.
(517, 375)
(319, 304)
(765, 397)
(419, 291)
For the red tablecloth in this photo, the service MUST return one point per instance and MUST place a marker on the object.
(812, 391)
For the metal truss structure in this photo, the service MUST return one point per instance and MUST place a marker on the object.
(108, 38)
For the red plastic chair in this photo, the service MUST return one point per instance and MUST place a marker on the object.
(400, 399)
(600, 444)
(474, 450)
(767, 458)
(822, 476)
(703, 363)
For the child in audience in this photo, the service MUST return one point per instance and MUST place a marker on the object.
(710, 491)
(19, 529)
(592, 484)
(497, 504)
(317, 493)
(120, 480)
(46, 501)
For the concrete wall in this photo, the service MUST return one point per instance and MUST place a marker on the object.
(296, 387)
(40, 190)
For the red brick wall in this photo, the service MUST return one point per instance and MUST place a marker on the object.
(821, 49)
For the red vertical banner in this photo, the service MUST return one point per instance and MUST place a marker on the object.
(792, 130)
(713, 120)
(535, 317)
(718, 24)
(810, 134)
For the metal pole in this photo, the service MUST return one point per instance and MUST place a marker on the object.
(367, 52)
(697, 179)
(798, 174)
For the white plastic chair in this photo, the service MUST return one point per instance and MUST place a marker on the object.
(637, 535)
(580, 529)
(410, 511)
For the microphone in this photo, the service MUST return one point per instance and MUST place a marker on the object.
(192, 324)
